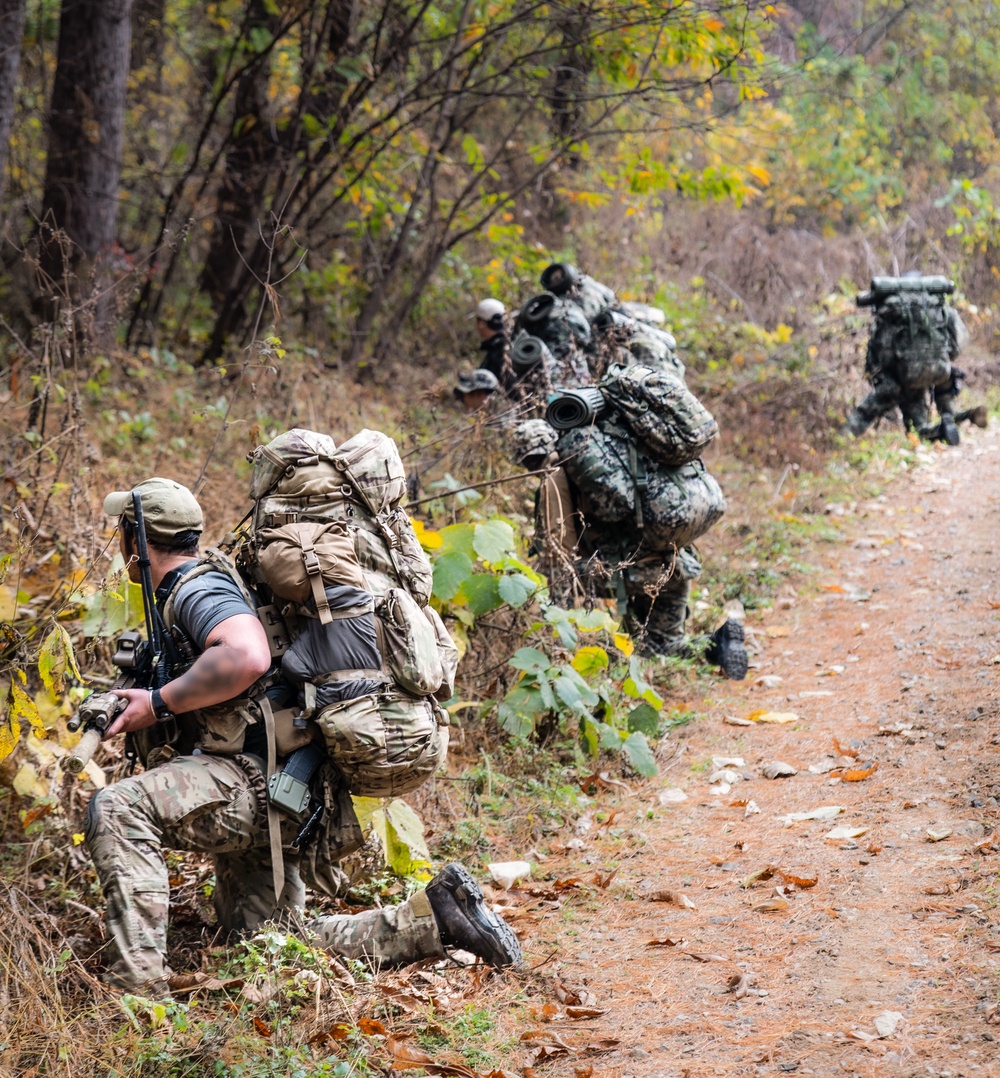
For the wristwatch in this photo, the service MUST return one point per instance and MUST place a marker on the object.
(160, 707)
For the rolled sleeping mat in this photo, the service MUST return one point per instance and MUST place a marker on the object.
(538, 310)
(575, 408)
(527, 352)
(609, 318)
(887, 286)
(560, 277)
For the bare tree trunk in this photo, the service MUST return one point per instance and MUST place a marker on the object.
(253, 147)
(86, 130)
(11, 33)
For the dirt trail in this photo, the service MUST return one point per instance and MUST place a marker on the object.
(902, 631)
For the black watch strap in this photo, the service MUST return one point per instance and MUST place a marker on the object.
(160, 708)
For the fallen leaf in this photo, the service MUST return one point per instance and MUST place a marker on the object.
(775, 632)
(778, 769)
(774, 717)
(824, 812)
(989, 844)
(667, 941)
(946, 887)
(604, 881)
(938, 836)
(339, 1031)
(573, 997)
(841, 751)
(768, 681)
(585, 1012)
(757, 877)
(700, 957)
(846, 831)
(732, 720)
(833, 587)
(720, 762)
(993, 945)
(675, 898)
(262, 1027)
(739, 985)
(751, 809)
(406, 1056)
(802, 882)
(772, 905)
(371, 1027)
(994, 606)
(854, 774)
(886, 1023)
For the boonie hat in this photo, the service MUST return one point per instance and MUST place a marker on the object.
(488, 309)
(167, 508)
(480, 379)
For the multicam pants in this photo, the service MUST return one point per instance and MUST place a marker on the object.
(216, 805)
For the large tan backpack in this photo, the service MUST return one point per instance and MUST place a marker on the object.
(326, 516)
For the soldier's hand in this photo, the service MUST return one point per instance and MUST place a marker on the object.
(136, 716)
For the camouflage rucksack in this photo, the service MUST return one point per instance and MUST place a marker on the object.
(913, 339)
(560, 324)
(620, 484)
(326, 523)
(564, 279)
(666, 419)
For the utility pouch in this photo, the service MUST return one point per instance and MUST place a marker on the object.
(288, 789)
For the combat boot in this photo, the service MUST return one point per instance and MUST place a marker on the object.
(856, 423)
(727, 650)
(979, 416)
(465, 922)
(947, 431)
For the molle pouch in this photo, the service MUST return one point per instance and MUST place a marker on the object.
(409, 644)
(384, 744)
(447, 654)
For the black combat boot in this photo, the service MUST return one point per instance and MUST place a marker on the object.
(465, 922)
(728, 651)
(947, 431)
(979, 416)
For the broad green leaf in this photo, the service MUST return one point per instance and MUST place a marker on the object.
(559, 619)
(645, 718)
(481, 592)
(451, 571)
(639, 754)
(513, 722)
(493, 540)
(589, 659)
(572, 696)
(531, 660)
(402, 836)
(610, 737)
(589, 736)
(457, 538)
(516, 589)
(117, 606)
(593, 620)
(638, 687)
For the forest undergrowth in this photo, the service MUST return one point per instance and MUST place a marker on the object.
(273, 1005)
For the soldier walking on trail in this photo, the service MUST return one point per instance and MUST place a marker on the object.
(205, 792)
(914, 340)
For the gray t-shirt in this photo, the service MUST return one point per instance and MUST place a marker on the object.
(206, 601)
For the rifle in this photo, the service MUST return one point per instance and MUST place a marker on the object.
(143, 664)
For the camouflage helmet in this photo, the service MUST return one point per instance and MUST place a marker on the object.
(479, 380)
(532, 441)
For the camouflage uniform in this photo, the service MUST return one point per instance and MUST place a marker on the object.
(653, 590)
(889, 388)
(216, 805)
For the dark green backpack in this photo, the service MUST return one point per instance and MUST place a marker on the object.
(913, 339)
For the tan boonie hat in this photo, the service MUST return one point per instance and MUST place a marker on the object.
(167, 508)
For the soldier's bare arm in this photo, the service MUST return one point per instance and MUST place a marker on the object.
(236, 655)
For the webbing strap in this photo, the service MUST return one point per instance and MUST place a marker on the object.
(639, 480)
(350, 674)
(315, 573)
(273, 819)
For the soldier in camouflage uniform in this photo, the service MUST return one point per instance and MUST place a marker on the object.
(206, 792)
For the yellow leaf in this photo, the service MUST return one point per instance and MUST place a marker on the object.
(429, 540)
(623, 642)
(759, 173)
(78, 838)
(27, 783)
(776, 717)
(21, 706)
(589, 659)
